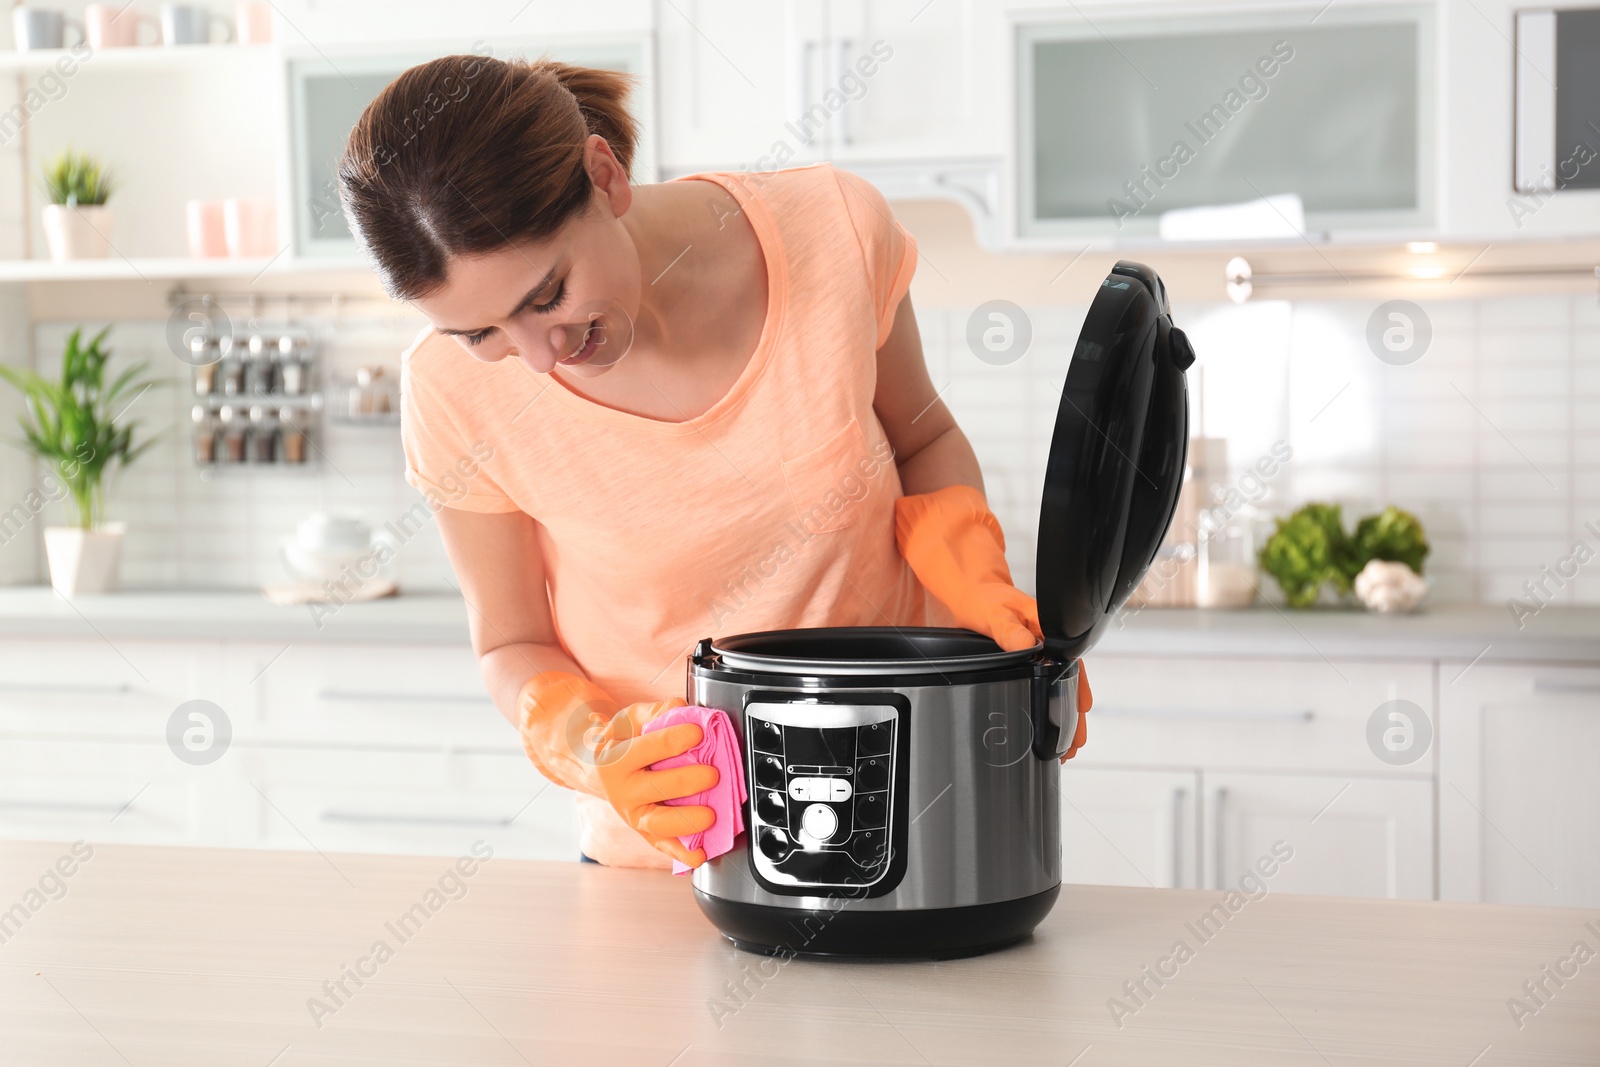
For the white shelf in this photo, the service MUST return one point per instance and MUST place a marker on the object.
(117, 268)
(145, 58)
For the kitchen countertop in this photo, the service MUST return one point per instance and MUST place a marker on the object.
(207, 957)
(1457, 632)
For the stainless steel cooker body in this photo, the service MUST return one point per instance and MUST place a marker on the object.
(904, 790)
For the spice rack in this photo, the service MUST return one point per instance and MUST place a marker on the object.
(371, 398)
(256, 401)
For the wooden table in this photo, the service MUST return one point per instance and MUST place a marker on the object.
(171, 957)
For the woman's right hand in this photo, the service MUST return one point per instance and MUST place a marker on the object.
(623, 756)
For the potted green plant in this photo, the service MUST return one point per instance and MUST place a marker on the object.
(72, 424)
(77, 223)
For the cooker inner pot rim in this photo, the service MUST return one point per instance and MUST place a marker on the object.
(866, 650)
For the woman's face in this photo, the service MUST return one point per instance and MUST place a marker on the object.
(568, 301)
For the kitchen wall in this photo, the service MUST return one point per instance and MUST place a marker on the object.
(1490, 437)
(223, 527)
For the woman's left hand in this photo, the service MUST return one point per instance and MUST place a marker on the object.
(954, 545)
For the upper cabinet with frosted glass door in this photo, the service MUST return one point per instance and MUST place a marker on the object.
(1326, 114)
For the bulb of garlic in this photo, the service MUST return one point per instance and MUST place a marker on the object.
(1385, 586)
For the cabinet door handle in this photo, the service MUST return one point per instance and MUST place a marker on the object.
(841, 118)
(1564, 685)
(367, 818)
(1220, 852)
(357, 696)
(1179, 795)
(1203, 714)
(806, 51)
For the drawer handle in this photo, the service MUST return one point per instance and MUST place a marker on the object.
(1178, 797)
(367, 818)
(61, 805)
(1263, 715)
(356, 696)
(1562, 685)
(119, 689)
(1220, 844)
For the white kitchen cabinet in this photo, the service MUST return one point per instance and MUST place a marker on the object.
(374, 696)
(1519, 799)
(100, 688)
(338, 747)
(725, 71)
(102, 790)
(83, 740)
(761, 87)
(1128, 827)
(424, 803)
(377, 748)
(1353, 837)
(937, 85)
(1213, 760)
(1245, 714)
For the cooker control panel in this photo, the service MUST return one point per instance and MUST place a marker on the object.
(822, 788)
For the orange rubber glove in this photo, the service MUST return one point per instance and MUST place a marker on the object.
(954, 545)
(1085, 701)
(958, 552)
(577, 736)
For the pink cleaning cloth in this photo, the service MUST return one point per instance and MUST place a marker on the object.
(720, 748)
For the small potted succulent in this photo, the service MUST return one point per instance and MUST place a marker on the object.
(77, 223)
(72, 424)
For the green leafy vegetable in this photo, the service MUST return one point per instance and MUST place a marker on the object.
(1390, 535)
(1310, 549)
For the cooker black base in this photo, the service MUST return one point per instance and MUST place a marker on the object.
(843, 933)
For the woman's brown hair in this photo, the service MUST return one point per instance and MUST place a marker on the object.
(467, 154)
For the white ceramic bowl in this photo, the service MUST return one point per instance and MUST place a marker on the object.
(311, 564)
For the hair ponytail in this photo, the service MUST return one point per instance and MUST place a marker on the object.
(466, 154)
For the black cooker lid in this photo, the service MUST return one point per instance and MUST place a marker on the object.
(1116, 459)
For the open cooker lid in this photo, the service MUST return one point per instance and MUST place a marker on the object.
(1116, 459)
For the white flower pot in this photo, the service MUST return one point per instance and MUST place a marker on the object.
(77, 232)
(83, 561)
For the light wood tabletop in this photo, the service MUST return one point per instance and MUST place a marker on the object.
(171, 957)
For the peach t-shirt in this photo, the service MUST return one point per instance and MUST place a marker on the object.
(774, 509)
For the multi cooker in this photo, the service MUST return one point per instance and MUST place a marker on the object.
(904, 782)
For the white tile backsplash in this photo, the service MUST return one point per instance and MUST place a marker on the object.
(223, 527)
(1492, 438)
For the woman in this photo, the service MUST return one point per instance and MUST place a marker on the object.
(652, 414)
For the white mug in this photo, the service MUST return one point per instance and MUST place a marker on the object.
(33, 28)
(190, 24)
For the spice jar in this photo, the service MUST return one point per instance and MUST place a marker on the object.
(205, 435)
(294, 354)
(263, 433)
(232, 420)
(293, 435)
(204, 354)
(231, 369)
(259, 360)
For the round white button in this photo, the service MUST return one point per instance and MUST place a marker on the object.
(819, 822)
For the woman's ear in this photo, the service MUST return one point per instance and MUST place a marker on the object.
(607, 175)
